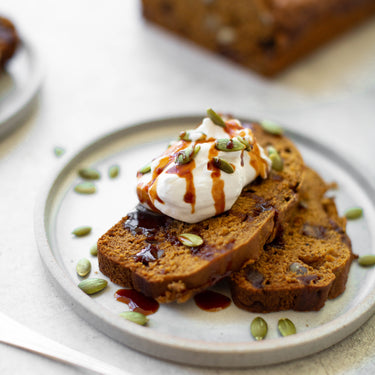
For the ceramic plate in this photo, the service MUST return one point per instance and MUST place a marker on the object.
(183, 332)
(19, 85)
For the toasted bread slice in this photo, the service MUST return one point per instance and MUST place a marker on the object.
(305, 265)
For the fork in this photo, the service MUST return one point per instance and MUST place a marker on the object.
(15, 334)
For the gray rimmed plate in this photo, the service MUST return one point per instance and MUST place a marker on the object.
(183, 332)
(19, 85)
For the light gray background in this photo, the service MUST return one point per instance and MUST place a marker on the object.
(105, 67)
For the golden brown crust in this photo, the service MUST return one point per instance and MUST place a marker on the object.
(306, 264)
(264, 35)
(230, 239)
(8, 41)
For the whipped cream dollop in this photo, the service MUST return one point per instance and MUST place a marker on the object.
(203, 173)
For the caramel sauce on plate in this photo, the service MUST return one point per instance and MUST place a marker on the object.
(137, 301)
(217, 189)
(209, 300)
(186, 171)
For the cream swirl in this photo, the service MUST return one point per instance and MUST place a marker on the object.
(203, 173)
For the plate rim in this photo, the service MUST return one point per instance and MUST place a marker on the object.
(183, 350)
(11, 118)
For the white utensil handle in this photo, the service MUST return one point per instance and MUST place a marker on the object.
(15, 334)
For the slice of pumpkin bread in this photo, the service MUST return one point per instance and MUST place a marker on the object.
(143, 252)
(305, 265)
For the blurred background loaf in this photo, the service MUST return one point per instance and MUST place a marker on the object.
(264, 35)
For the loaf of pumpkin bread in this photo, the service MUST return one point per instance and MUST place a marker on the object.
(264, 35)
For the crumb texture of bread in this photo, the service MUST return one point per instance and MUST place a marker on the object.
(8, 41)
(306, 264)
(264, 35)
(154, 261)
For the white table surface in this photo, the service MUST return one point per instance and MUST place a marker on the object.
(104, 67)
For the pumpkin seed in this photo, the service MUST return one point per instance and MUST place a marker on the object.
(92, 286)
(286, 327)
(94, 250)
(59, 151)
(246, 142)
(353, 213)
(185, 136)
(196, 150)
(89, 173)
(277, 162)
(229, 145)
(191, 240)
(298, 268)
(367, 260)
(223, 165)
(135, 317)
(187, 155)
(171, 143)
(113, 171)
(259, 328)
(145, 169)
(271, 127)
(82, 231)
(83, 267)
(215, 118)
(85, 188)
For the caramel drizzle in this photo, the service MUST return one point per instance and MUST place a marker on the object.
(232, 128)
(242, 162)
(186, 171)
(148, 193)
(257, 162)
(217, 189)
